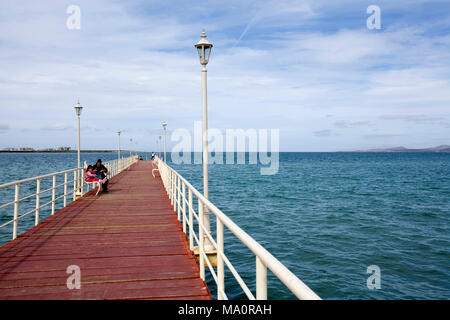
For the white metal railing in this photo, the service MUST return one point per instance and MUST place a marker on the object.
(77, 183)
(176, 187)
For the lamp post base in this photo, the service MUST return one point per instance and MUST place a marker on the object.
(211, 254)
(78, 195)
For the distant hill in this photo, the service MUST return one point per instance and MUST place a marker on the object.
(442, 148)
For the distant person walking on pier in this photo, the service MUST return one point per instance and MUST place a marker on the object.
(101, 174)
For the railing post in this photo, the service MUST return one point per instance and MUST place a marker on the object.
(16, 210)
(74, 184)
(261, 280)
(167, 174)
(201, 239)
(178, 198)
(79, 174)
(166, 180)
(175, 178)
(65, 189)
(81, 181)
(169, 185)
(38, 199)
(171, 188)
(53, 195)
(191, 221)
(174, 186)
(184, 207)
(220, 265)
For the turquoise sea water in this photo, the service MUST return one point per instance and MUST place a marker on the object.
(326, 216)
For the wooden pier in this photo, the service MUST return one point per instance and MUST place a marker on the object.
(127, 243)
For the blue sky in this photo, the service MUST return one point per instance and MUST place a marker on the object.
(309, 68)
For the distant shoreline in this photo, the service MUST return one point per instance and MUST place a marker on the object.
(340, 151)
(387, 151)
(58, 151)
(441, 148)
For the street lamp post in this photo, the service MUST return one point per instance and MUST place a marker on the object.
(131, 145)
(159, 147)
(204, 50)
(118, 150)
(164, 124)
(78, 109)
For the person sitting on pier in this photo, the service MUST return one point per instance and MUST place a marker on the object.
(91, 175)
(101, 174)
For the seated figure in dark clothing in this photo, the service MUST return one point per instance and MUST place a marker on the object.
(101, 174)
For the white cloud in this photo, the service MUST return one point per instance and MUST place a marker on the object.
(4, 128)
(133, 65)
(323, 133)
(57, 127)
(350, 124)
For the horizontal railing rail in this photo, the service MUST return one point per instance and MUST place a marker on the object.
(176, 187)
(76, 183)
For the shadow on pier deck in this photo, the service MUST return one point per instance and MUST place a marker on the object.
(127, 243)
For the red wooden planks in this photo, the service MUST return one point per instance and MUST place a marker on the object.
(128, 244)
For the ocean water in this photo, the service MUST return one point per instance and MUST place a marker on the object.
(326, 216)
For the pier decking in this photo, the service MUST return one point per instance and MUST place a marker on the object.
(127, 243)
